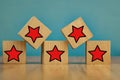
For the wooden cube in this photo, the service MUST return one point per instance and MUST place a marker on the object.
(98, 52)
(14, 52)
(55, 52)
(34, 32)
(77, 33)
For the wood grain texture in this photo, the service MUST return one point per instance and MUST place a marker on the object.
(34, 23)
(49, 45)
(77, 23)
(19, 45)
(54, 72)
(76, 71)
(103, 45)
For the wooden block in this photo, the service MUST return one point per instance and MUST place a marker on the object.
(98, 52)
(34, 32)
(14, 52)
(77, 33)
(55, 52)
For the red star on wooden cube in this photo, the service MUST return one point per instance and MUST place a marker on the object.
(55, 54)
(13, 54)
(97, 54)
(77, 33)
(34, 32)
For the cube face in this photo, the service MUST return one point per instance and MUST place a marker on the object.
(34, 32)
(98, 52)
(14, 52)
(55, 52)
(77, 33)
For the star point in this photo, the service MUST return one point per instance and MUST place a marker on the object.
(55, 54)
(77, 33)
(13, 54)
(33, 33)
(97, 54)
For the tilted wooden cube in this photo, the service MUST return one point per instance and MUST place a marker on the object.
(34, 32)
(55, 52)
(77, 33)
(14, 52)
(98, 52)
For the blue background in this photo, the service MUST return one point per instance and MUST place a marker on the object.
(101, 16)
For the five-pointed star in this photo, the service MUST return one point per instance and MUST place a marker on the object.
(97, 54)
(77, 33)
(33, 33)
(55, 54)
(13, 54)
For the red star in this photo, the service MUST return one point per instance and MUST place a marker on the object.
(33, 33)
(13, 54)
(55, 54)
(97, 54)
(77, 33)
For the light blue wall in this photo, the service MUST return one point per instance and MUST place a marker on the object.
(101, 16)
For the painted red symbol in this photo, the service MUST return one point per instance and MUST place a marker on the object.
(13, 54)
(77, 33)
(33, 33)
(55, 54)
(97, 54)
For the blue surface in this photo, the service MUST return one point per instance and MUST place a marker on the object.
(101, 16)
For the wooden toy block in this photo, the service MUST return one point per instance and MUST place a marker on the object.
(34, 32)
(55, 52)
(77, 33)
(14, 52)
(98, 52)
